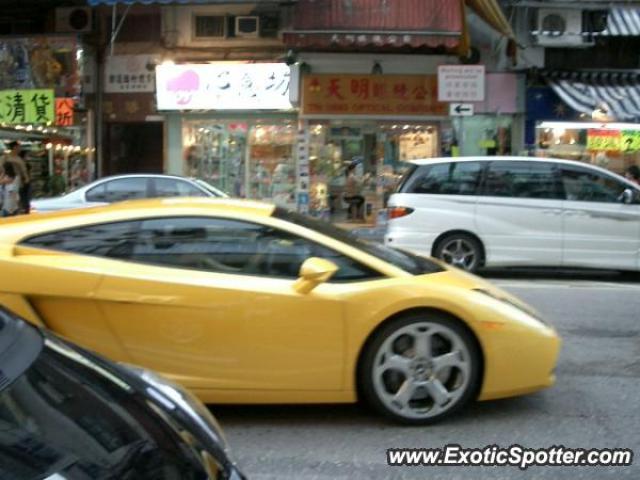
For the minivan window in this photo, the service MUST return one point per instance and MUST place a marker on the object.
(522, 179)
(583, 185)
(455, 178)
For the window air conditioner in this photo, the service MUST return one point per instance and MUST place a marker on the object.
(247, 26)
(73, 19)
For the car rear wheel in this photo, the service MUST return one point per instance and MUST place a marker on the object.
(460, 250)
(420, 368)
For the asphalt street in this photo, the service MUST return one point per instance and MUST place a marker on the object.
(594, 404)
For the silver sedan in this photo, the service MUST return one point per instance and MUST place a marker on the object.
(127, 187)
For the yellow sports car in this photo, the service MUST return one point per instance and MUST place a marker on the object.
(245, 302)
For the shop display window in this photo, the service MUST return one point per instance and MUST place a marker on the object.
(215, 153)
(245, 159)
(377, 152)
(272, 167)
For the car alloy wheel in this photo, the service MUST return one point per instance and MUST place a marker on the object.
(420, 369)
(461, 251)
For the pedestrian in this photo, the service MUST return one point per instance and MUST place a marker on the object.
(20, 168)
(633, 174)
(10, 182)
(352, 194)
(25, 189)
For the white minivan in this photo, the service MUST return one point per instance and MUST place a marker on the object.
(516, 211)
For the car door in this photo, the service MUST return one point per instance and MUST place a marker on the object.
(210, 302)
(519, 214)
(117, 190)
(599, 229)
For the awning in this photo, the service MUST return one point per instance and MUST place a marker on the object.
(618, 93)
(623, 22)
(376, 23)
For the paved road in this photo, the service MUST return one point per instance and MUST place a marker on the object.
(596, 403)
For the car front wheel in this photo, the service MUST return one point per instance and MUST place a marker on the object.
(420, 368)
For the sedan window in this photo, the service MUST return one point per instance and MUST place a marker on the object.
(119, 190)
(104, 240)
(174, 187)
(230, 246)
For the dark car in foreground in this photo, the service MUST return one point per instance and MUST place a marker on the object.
(66, 413)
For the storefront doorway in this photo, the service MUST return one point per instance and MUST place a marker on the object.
(134, 148)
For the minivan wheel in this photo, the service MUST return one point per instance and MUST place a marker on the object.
(420, 368)
(460, 250)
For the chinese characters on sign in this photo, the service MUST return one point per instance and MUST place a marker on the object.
(26, 106)
(371, 95)
(64, 112)
(604, 140)
(461, 83)
(129, 74)
(257, 86)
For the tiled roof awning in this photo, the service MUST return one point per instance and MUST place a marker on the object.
(378, 23)
(616, 92)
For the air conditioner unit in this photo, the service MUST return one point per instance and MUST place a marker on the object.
(561, 28)
(247, 26)
(73, 19)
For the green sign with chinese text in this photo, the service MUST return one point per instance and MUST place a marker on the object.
(27, 106)
(630, 140)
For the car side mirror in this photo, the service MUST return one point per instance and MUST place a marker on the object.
(627, 196)
(313, 272)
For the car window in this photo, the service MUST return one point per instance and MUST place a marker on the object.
(236, 247)
(523, 179)
(118, 190)
(104, 240)
(455, 178)
(583, 185)
(174, 187)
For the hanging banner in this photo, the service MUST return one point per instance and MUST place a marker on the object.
(371, 95)
(27, 106)
(604, 140)
(64, 112)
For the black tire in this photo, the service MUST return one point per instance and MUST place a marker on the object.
(471, 248)
(371, 358)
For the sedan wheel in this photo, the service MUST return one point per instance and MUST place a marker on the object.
(418, 369)
(462, 251)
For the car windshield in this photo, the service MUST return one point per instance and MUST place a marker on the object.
(61, 418)
(406, 261)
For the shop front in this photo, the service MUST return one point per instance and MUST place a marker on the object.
(367, 126)
(41, 108)
(611, 145)
(232, 125)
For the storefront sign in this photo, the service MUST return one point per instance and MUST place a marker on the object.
(257, 86)
(461, 83)
(604, 140)
(129, 74)
(371, 95)
(26, 106)
(630, 140)
(64, 112)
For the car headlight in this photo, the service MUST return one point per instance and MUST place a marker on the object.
(517, 305)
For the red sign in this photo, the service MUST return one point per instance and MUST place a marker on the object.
(64, 112)
(372, 95)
